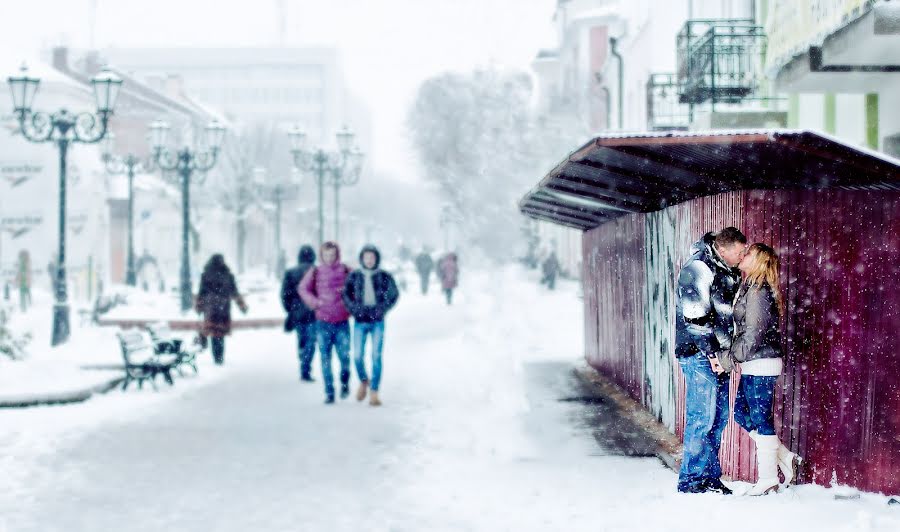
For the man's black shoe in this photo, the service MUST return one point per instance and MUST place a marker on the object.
(307, 378)
(329, 400)
(345, 391)
(714, 485)
(693, 488)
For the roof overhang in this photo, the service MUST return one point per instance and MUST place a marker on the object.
(614, 175)
(855, 58)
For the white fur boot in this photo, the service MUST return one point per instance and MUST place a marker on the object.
(766, 465)
(789, 463)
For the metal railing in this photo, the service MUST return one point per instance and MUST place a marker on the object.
(664, 110)
(719, 61)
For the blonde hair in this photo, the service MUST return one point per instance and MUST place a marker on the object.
(765, 270)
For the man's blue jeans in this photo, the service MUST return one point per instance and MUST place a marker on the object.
(335, 335)
(706, 414)
(360, 331)
(753, 404)
(306, 346)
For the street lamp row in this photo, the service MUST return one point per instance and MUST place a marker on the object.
(338, 169)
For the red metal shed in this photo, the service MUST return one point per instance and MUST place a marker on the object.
(833, 213)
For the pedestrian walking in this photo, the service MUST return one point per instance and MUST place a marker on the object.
(321, 290)
(217, 290)
(300, 318)
(369, 293)
(756, 348)
(448, 270)
(23, 280)
(707, 284)
(424, 265)
(550, 270)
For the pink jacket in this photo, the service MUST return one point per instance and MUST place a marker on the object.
(448, 270)
(321, 290)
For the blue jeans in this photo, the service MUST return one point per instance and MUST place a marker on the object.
(306, 346)
(360, 331)
(754, 403)
(335, 335)
(706, 414)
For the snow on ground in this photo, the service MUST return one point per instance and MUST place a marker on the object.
(472, 437)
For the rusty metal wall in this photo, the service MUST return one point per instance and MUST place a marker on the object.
(613, 287)
(659, 327)
(839, 397)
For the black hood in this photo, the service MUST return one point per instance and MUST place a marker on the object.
(307, 255)
(374, 250)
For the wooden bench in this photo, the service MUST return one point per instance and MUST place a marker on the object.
(166, 343)
(141, 362)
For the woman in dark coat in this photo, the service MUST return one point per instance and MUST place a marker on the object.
(217, 289)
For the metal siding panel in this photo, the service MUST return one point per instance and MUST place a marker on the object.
(659, 327)
(617, 256)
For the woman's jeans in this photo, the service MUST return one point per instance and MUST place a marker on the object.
(754, 403)
(706, 414)
(360, 331)
(335, 335)
(218, 349)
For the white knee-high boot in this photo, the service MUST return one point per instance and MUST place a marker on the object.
(766, 465)
(789, 463)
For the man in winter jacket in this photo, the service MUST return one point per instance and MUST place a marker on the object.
(369, 294)
(300, 318)
(321, 289)
(424, 265)
(707, 284)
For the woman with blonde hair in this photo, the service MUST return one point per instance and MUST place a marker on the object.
(758, 308)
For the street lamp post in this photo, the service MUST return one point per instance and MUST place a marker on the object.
(128, 165)
(338, 169)
(185, 162)
(63, 128)
(278, 189)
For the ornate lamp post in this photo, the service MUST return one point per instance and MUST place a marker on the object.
(338, 169)
(63, 128)
(278, 189)
(128, 165)
(185, 162)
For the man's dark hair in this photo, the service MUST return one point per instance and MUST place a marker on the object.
(729, 236)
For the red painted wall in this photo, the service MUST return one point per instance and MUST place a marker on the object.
(839, 396)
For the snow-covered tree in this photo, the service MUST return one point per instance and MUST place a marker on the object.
(479, 141)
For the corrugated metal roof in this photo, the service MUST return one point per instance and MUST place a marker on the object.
(618, 173)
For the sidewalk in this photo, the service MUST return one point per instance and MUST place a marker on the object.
(620, 425)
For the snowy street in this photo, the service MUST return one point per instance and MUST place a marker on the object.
(472, 436)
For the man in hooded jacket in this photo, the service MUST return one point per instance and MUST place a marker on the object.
(369, 293)
(321, 289)
(300, 318)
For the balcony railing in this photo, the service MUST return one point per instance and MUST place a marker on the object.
(719, 61)
(664, 110)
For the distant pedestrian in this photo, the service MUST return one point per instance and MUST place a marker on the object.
(300, 318)
(321, 290)
(23, 280)
(424, 265)
(550, 270)
(217, 290)
(369, 293)
(448, 270)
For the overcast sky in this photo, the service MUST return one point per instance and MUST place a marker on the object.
(387, 46)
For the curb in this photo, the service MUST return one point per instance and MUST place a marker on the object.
(61, 398)
(182, 324)
(668, 446)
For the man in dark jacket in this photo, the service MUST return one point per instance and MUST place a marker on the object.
(424, 265)
(300, 318)
(550, 269)
(369, 293)
(707, 284)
